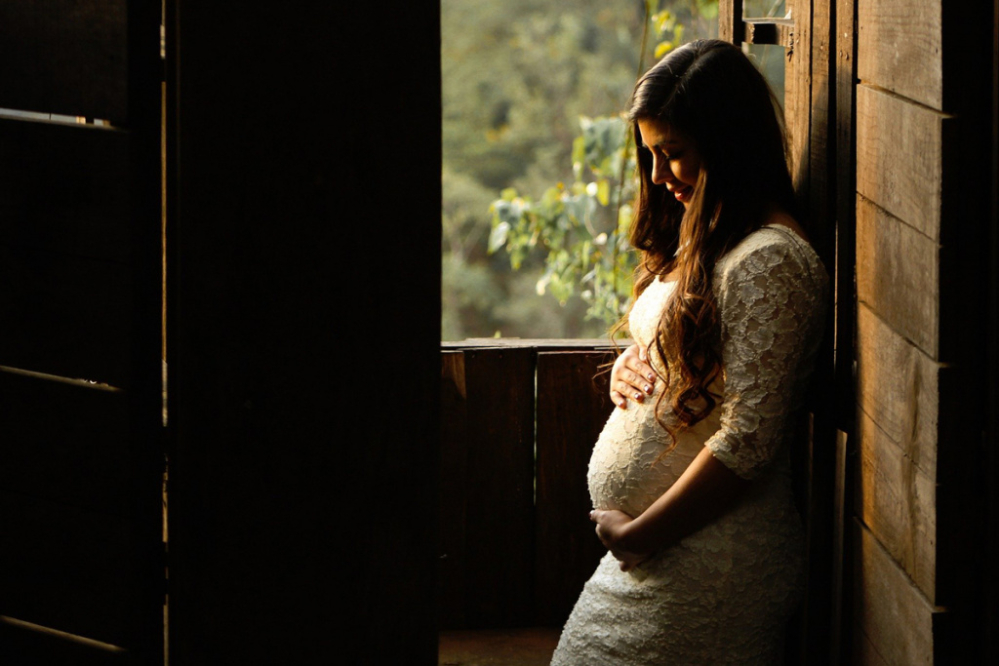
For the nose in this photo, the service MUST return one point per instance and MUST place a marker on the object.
(661, 173)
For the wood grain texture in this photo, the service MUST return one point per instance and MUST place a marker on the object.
(897, 387)
(65, 56)
(897, 502)
(900, 48)
(842, 548)
(864, 653)
(899, 158)
(798, 96)
(845, 267)
(572, 410)
(730, 20)
(65, 316)
(62, 188)
(890, 611)
(499, 546)
(898, 275)
(66, 443)
(37, 647)
(453, 491)
(822, 141)
(68, 569)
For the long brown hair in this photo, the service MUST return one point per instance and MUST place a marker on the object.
(712, 94)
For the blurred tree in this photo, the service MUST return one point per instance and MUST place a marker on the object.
(517, 78)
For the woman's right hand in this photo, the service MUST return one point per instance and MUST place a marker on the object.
(631, 377)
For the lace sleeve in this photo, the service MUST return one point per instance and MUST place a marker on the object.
(770, 306)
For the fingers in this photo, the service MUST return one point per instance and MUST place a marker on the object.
(631, 377)
(619, 400)
(642, 371)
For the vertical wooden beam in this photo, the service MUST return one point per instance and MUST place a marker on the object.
(730, 28)
(990, 636)
(798, 98)
(147, 443)
(822, 139)
(845, 298)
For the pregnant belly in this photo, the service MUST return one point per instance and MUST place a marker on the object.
(628, 468)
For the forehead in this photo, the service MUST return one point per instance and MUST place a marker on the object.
(658, 133)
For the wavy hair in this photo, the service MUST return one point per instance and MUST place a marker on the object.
(709, 92)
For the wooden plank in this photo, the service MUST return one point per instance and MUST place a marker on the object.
(73, 315)
(897, 387)
(65, 56)
(864, 653)
(62, 189)
(499, 530)
(453, 491)
(572, 410)
(899, 158)
(898, 275)
(25, 644)
(68, 569)
(821, 140)
(842, 549)
(730, 21)
(900, 48)
(897, 502)
(845, 267)
(546, 344)
(797, 96)
(66, 442)
(890, 611)
(531, 646)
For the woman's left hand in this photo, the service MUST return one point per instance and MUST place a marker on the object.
(612, 530)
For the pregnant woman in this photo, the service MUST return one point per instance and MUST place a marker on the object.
(690, 478)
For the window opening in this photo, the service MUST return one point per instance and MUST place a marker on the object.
(532, 96)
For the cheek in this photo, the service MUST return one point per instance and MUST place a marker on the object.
(688, 173)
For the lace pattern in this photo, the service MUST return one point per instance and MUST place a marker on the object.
(722, 595)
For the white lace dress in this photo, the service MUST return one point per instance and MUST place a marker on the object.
(723, 594)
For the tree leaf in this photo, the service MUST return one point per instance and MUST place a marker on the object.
(603, 191)
(497, 237)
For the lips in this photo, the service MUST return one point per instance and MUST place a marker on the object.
(684, 194)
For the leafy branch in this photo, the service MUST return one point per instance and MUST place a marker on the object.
(582, 229)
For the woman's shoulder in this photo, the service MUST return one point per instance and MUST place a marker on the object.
(775, 248)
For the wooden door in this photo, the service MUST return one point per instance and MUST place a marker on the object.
(81, 548)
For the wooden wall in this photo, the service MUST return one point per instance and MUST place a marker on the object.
(81, 547)
(921, 94)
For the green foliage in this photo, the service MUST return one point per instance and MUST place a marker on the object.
(517, 77)
(582, 229)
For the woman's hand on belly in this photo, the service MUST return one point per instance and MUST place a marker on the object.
(612, 530)
(631, 377)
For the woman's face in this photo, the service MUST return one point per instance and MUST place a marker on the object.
(675, 160)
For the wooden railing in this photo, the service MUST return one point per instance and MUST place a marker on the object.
(519, 419)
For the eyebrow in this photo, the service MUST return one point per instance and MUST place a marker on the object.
(662, 144)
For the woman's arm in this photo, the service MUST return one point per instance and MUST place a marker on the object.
(702, 494)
